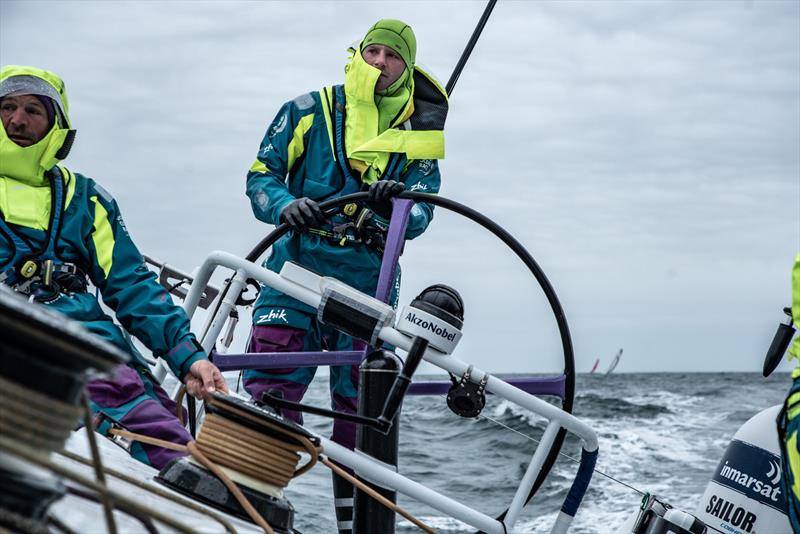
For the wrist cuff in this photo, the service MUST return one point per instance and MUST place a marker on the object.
(183, 355)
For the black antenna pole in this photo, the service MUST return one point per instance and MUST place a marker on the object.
(470, 45)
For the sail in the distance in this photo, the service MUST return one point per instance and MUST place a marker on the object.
(614, 362)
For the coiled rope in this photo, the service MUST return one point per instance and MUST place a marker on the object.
(34, 425)
(20, 450)
(237, 447)
(265, 458)
(41, 425)
(39, 421)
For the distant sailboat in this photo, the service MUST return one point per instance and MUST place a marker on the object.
(594, 367)
(614, 362)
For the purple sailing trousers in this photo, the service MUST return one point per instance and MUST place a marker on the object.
(142, 406)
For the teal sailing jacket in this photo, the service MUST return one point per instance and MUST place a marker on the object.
(93, 237)
(302, 155)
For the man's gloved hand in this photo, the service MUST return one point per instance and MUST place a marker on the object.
(204, 378)
(380, 195)
(302, 214)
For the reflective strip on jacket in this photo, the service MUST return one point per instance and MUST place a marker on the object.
(789, 419)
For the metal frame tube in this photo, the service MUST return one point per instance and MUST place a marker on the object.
(387, 478)
(366, 467)
(389, 334)
(216, 321)
(531, 473)
(538, 385)
(219, 258)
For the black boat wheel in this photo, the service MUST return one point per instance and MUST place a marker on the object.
(330, 206)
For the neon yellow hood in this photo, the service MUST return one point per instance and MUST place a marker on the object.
(29, 164)
(370, 133)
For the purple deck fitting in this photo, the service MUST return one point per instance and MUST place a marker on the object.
(536, 385)
(278, 360)
(395, 238)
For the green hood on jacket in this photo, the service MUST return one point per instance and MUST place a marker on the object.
(371, 133)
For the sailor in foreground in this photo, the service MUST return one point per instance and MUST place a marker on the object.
(789, 418)
(58, 228)
(382, 131)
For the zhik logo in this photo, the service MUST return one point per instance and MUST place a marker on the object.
(122, 224)
(266, 150)
(273, 315)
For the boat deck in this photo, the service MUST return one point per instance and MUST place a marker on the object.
(86, 516)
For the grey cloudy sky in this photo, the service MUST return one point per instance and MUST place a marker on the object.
(646, 153)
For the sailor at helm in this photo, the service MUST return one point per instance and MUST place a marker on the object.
(58, 228)
(383, 131)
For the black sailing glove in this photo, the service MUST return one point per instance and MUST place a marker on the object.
(380, 196)
(302, 214)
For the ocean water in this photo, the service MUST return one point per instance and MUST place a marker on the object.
(661, 433)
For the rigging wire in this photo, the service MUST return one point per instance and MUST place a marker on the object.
(451, 83)
(565, 455)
